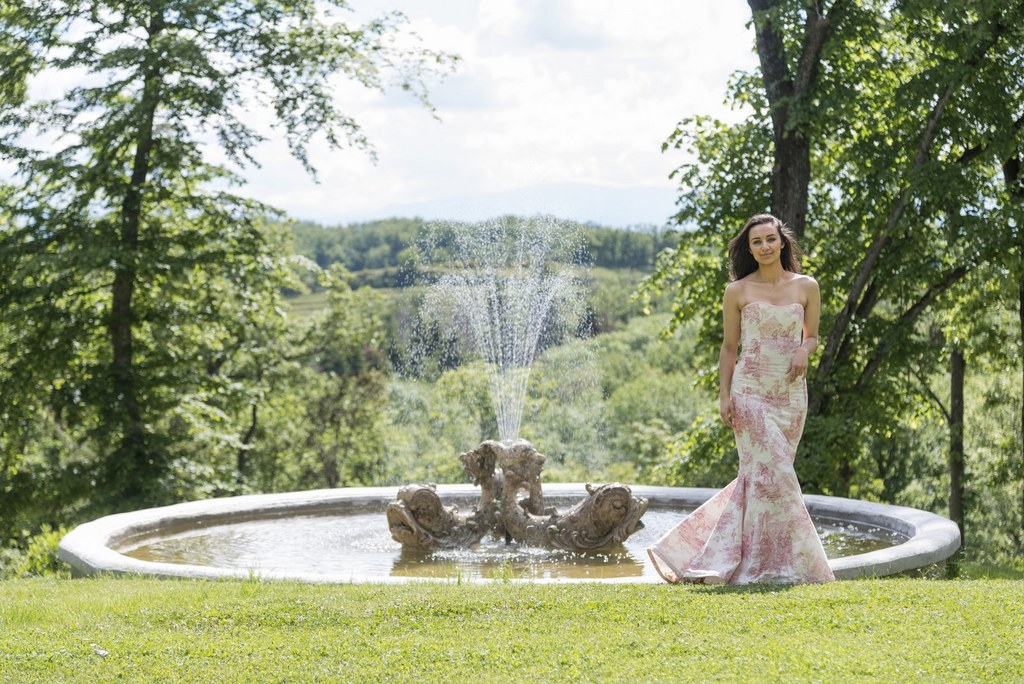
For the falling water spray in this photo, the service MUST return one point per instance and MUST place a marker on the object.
(511, 290)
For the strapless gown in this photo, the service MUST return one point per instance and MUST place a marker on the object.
(757, 528)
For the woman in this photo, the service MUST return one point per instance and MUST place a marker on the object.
(757, 529)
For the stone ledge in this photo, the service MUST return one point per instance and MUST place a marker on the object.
(88, 549)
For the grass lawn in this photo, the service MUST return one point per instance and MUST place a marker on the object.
(147, 630)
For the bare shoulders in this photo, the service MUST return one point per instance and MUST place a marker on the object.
(806, 283)
(797, 288)
(735, 287)
(734, 294)
(804, 280)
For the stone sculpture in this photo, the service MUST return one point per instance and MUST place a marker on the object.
(512, 505)
(419, 520)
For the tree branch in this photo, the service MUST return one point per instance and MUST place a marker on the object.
(931, 395)
(815, 33)
(906, 320)
(978, 150)
(867, 303)
(866, 268)
(778, 81)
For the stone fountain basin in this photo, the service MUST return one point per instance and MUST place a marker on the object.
(90, 548)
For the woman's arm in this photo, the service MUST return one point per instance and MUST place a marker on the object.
(812, 314)
(730, 344)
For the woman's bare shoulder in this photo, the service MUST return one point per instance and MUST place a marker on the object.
(735, 295)
(736, 285)
(735, 288)
(806, 281)
(740, 284)
(808, 288)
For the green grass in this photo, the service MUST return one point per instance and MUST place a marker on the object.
(144, 630)
(973, 570)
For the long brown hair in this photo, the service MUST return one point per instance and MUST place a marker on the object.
(742, 263)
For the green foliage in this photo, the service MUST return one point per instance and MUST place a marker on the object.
(44, 478)
(565, 415)
(153, 630)
(602, 408)
(313, 420)
(912, 113)
(392, 252)
(610, 298)
(625, 249)
(649, 389)
(40, 557)
(142, 299)
(10, 560)
(704, 455)
(994, 506)
(360, 246)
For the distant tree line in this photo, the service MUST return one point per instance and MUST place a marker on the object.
(395, 246)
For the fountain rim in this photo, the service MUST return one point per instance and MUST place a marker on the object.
(90, 548)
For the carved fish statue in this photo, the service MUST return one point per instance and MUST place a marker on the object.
(608, 516)
(419, 520)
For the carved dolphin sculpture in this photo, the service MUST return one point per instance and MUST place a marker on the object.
(608, 515)
(418, 520)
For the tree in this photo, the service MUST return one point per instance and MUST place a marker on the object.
(789, 73)
(903, 106)
(313, 414)
(130, 275)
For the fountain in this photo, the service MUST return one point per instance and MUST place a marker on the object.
(418, 520)
(340, 535)
(510, 283)
(507, 296)
(509, 288)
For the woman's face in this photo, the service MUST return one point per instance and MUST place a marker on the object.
(765, 243)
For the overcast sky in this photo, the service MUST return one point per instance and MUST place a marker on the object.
(557, 106)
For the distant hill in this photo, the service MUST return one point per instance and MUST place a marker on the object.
(385, 253)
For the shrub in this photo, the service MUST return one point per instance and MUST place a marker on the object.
(40, 557)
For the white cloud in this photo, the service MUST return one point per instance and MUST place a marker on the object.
(570, 96)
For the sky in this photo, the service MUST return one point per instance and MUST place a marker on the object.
(556, 107)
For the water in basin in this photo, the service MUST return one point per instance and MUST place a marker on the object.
(359, 543)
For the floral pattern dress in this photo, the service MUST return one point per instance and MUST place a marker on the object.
(757, 528)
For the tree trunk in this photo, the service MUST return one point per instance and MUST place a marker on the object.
(133, 462)
(957, 368)
(1015, 186)
(791, 170)
(243, 452)
(1021, 312)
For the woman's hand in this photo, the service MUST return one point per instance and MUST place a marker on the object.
(798, 365)
(725, 410)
